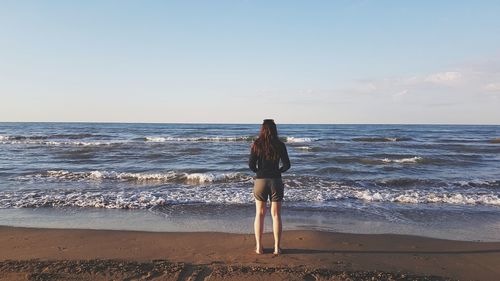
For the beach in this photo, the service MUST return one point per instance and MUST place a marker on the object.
(73, 254)
(117, 201)
(159, 140)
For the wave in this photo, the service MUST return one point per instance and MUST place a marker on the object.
(79, 136)
(57, 143)
(120, 199)
(305, 148)
(220, 139)
(436, 183)
(333, 192)
(170, 176)
(23, 137)
(200, 139)
(54, 136)
(72, 139)
(420, 197)
(380, 139)
(298, 140)
(138, 198)
(381, 161)
(335, 170)
(480, 183)
(409, 182)
(415, 159)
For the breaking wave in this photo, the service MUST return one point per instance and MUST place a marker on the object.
(75, 139)
(298, 140)
(54, 136)
(170, 176)
(373, 160)
(223, 194)
(304, 148)
(59, 143)
(220, 139)
(403, 160)
(200, 139)
(58, 140)
(380, 139)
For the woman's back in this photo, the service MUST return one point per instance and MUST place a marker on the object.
(265, 167)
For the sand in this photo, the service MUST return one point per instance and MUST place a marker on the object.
(70, 254)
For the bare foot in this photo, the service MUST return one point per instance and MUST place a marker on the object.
(277, 252)
(259, 251)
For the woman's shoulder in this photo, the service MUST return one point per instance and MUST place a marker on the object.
(280, 142)
(255, 144)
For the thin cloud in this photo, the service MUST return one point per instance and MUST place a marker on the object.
(466, 80)
(492, 87)
(444, 77)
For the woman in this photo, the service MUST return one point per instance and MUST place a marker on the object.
(266, 153)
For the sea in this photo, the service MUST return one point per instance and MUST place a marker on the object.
(430, 180)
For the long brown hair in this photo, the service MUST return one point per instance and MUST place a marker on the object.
(266, 144)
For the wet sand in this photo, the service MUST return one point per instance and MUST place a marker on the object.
(72, 254)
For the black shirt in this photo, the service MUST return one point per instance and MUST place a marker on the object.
(270, 168)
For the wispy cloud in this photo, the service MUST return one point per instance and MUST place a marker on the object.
(469, 83)
(472, 79)
(492, 87)
(444, 77)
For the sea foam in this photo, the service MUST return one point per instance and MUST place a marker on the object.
(220, 139)
(169, 176)
(298, 139)
(381, 139)
(403, 160)
(197, 139)
(238, 191)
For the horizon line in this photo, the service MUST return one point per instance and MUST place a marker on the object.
(245, 123)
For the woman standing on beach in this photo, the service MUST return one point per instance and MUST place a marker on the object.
(265, 155)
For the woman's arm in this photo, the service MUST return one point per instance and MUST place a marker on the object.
(252, 162)
(284, 160)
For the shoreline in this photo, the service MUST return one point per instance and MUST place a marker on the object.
(87, 254)
(480, 226)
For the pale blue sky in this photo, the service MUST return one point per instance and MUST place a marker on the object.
(242, 61)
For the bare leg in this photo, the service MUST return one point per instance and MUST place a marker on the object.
(276, 215)
(260, 213)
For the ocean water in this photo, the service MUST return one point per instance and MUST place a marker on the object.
(427, 177)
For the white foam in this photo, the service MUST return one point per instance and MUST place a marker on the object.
(169, 176)
(487, 183)
(425, 197)
(307, 148)
(320, 192)
(227, 188)
(231, 195)
(126, 199)
(56, 143)
(403, 160)
(80, 143)
(207, 177)
(156, 139)
(200, 139)
(380, 139)
(298, 140)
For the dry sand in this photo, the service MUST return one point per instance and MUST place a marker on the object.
(70, 254)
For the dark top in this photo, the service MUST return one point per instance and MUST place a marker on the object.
(270, 168)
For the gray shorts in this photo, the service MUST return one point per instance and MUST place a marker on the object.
(272, 188)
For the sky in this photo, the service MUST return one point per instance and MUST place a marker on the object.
(235, 61)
